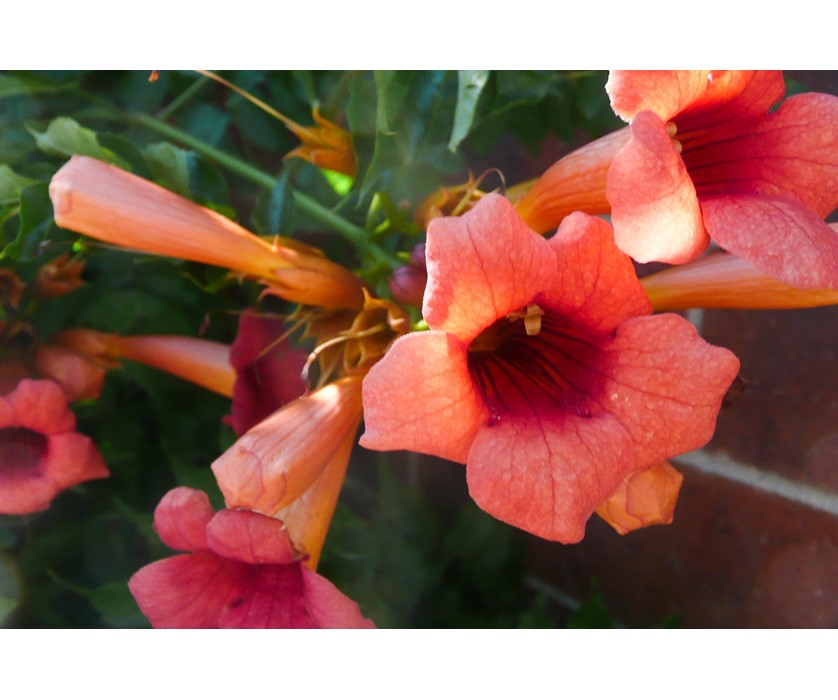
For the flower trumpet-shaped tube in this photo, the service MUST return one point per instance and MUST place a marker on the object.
(40, 452)
(705, 158)
(721, 280)
(202, 362)
(109, 204)
(292, 464)
(543, 370)
(241, 572)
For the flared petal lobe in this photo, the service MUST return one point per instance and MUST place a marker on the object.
(421, 397)
(475, 278)
(654, 207)
(242, 577)
(664, 92)
(710, 97)
(594, 281)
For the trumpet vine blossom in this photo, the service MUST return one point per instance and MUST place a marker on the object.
(543, 370)
(241, 572)
(705, 158)
(41, 454)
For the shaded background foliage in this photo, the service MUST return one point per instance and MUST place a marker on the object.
(410, 555)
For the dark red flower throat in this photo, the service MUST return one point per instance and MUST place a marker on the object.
(534, 360)
(21, 451)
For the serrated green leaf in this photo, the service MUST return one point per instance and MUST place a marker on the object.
(65, 137)
(169, 166)
(470, 84)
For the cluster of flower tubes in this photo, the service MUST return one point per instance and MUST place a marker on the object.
(558, 377)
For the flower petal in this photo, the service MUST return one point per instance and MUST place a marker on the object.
(328, 607)
(792, 152)
(181, 519)
(778, 236)
(482, 266)
(654, 207)
(732, 96)
(20, 496)
(664, 384)
(664, 92)
(595, 283)
(187, 591)
(73, 458)
(268, 370)
(271, 598)
(40, 405)
(547, 473)
(421, 397)
(694, 95)
(249, 537)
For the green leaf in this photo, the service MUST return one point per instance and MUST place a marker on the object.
(116, 605)
(470, 84)
(169, 166)
(11, 185)
(128, 152)
(65, 137)
(35, 222)
(406, 103)
(274, 212)
(29, 84)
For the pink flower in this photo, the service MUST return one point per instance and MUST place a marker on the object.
(242, 572)
(543, 371)
(40, 452)
(268, 370)
(704, 158)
